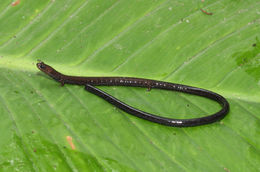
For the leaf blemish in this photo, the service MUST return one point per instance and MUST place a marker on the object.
(69, 139)
(15, 3)
(205, 12)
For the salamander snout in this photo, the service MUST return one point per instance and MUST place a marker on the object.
(41, 65)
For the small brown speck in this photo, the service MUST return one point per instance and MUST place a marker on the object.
(227, 170)
(205, 12)
(254, 45)
(34, 150)
(15, 3)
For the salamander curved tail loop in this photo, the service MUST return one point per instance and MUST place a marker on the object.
(90, 82)
(167, 121)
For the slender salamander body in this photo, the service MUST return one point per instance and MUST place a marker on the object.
(90, 82)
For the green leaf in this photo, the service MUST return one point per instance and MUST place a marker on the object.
(166, 40)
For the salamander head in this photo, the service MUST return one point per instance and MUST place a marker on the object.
(48, 70)
(44, 67)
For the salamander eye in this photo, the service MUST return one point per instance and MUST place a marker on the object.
(42, 66)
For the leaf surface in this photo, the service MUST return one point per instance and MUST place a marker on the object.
(165, 40)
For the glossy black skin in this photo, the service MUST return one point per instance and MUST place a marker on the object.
(89, 82)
